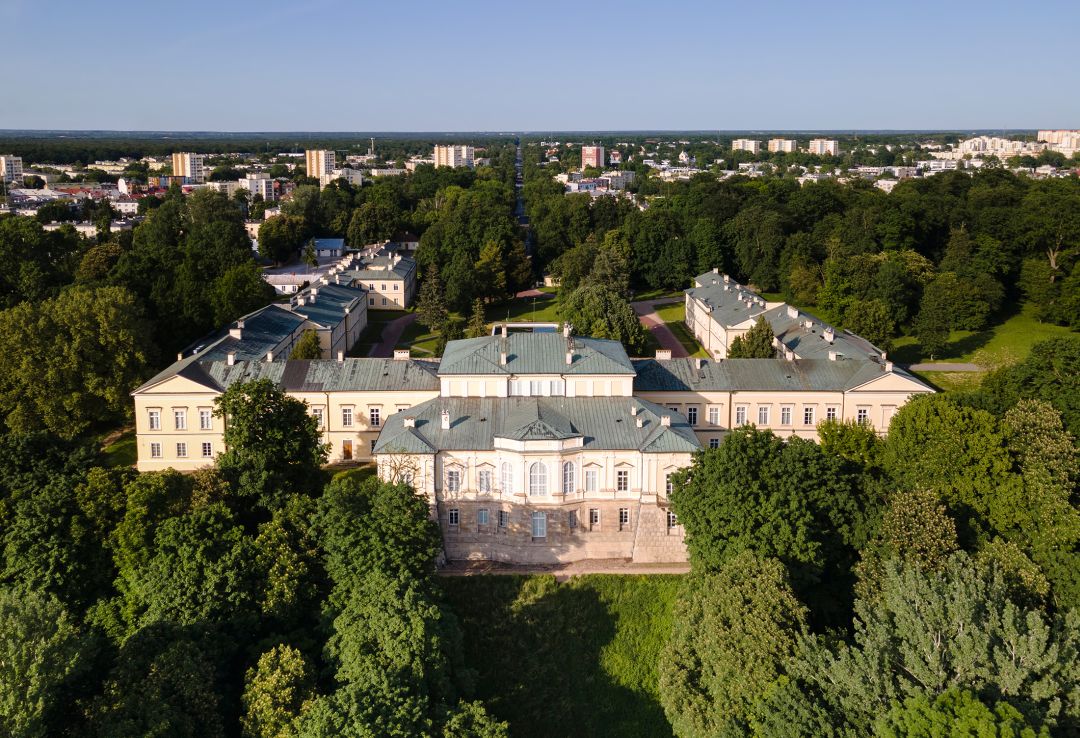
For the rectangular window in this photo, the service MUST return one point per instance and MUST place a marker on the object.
(674, 409)
(372, 301)
(624, 518)
(672, 520)
(207, 449)
(808, 416)
(181, 450)
(374, 416)
(483, 480)
(714, 443)
(539, 525)
(504, 519)
(740, 415)
(346, 417)
(785, 416)
(714, 416)
(863, 415)
(594, 518)
(180, 419)
(317, 413)
(669, 486)
(206, 419)
(453, 481)
(384, 301)
(373, 442)
(396, 286)
(482, 516)
(622, 480)
(155, 450)
(830, 412)
(591, 480)
(691, 415)
(571, 519)
(453, 517)
(763, 415)
(507, 478)
(154, 419)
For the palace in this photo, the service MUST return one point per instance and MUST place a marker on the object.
(536, 446)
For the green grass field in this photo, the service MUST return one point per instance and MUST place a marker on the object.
(571, 659)
(123, 451)
(999, 345)
(674, 316)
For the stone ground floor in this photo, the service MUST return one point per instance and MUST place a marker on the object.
(563, 533)
(561, 572)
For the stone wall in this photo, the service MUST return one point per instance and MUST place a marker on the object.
(646, 538)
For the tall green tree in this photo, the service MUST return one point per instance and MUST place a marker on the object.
(477, 327)
(307, 347)
(756, 343)
(956, 712)
(277, 692)
(600, 312)
(431, 310)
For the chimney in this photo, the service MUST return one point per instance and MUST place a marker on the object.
(888, 366)
(341, 357)
(663, 354)
(180, 356)
(569, 358)
(269, 356)
(409, 421)
(337, 279)
(832, 356)
(633, 409)
(808, 324)
(230, 358)
(665, 421)
(401, 354)
(726, 277)
(445, 419)
(698, 363)
(237, 331)
(640, 422)
(502, 358)
(793, 312)
(300, 302)
(566, 330)
(789, 355)
(828, 334)
(716, 270)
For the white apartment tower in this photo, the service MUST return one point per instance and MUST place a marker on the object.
(824, 147)
(746, 144)
(454, 156)
(186, 164)
(259, 183)
(782, 145)
(318, 162)
(592, 156)
(11, 169)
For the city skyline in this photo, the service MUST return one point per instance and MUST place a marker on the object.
(833, 67)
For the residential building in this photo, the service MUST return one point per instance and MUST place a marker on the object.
(352, 176)
(615, 157)
(454, 156)
(1066, 142)
(226, 188)
(746, 144)
(592, 156)
(259, 183)
(823, 147)
(783, 145)
(189, 166)
(332, 247)
(318, 162)
(11, 169)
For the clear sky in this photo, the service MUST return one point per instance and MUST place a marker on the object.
(479, 65)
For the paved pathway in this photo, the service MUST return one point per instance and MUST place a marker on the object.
(646, 312)
(947, 368)
(562, 572)
(391, 334)
(533, 293)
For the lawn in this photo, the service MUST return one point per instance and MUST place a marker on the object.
(524, 309)
(953, 381)
(122, 451)
(674, 316)
(999, 345)
(377, 320)
(571, 659)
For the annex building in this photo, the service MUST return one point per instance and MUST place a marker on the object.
(530, 446)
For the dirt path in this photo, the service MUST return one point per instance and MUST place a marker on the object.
(646, 312)
(562, 572)
(533, 293)
(391, 334)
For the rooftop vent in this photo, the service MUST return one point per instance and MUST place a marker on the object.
(698, 363)
(341, 357)
(793, 312)
(230, 358)
(445, 417)
(569, 358)
(663, 354)
(665, 420)
(829, 334)
(888, 366)
(833, 356)
(409, 421)
(401, 354)
(634, 409)
(269, 356)
(640, 422)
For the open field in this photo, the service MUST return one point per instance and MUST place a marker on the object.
(571, 659)
(121, 451)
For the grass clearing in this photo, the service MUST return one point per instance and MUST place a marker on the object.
(674, 316)
(524, 309)
(122, 451)
(953, 381)
(568, 659)
(1000, 345)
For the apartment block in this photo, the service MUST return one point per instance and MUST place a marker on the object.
(190, 166)
(783, 145)
(11, 169)
(454, 156)
(746, 144)
(318, 162)
(259, 183)
(823, 147)
(592, 156)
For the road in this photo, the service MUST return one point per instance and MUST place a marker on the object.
(646, 312)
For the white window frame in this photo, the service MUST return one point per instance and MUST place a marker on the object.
(568, 477)
(714, 443)
(594, 518)
(538, 483)
(809, 414)
(622, 480)
(785, 415)
(507, 477)
(206, 419)
(317, 413)
(740, 414)
(691, 414)
(181, 450)
(592, 480)
(453, 517)
(153, 419)
(714, 416)
(763, 414)
(539, 524)
(453, 480)
(179, 418)
(504, 519)
(831, 412)
(672, 519)
(483, 481)
(862, 415)
(346, 417)
(207, 450)
(155, 450)
(624, 518)
(669, 486)
(374, 416)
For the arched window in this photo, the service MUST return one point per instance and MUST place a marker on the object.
(507, 477)
(568, 478)
(538, 479)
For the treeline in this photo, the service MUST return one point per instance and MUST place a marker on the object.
(937, 253)
(954, 542)
(252, 598)
(86, 149)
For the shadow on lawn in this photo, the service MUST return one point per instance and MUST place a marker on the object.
(912, 353)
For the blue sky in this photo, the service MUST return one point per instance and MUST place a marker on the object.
(405, 65)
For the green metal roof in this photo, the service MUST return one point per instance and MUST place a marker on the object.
(747, 375)
(534, 353)
(603, 423)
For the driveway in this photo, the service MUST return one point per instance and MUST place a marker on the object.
(646, 312)
(391, 334)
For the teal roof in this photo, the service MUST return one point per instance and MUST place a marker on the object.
(603, 423)
(748, 375)
(534, 353)
(332, 302)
